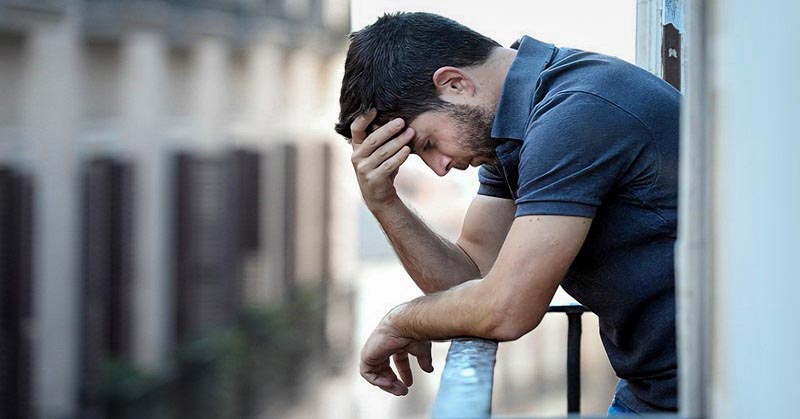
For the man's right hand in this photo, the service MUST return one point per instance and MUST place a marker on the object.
(377, 157)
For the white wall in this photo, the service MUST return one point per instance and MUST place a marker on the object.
(754, 105)
(608, 27)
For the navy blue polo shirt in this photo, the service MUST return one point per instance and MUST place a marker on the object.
(588, 135)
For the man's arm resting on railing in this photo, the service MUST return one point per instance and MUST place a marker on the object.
(509, 302)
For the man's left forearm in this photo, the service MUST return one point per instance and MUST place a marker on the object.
(469, 309)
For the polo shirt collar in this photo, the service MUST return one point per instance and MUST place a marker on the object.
(520, 84)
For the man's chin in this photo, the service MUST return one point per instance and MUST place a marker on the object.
(480, 161)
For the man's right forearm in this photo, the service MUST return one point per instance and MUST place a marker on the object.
(433, 262)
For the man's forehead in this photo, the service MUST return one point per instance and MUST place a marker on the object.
(428, 120)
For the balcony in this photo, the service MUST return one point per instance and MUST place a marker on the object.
(468, 378)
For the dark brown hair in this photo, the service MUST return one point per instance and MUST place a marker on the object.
(390, 65)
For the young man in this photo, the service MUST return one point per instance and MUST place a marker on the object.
(578, 184)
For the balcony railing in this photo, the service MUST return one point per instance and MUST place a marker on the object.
(467, 380)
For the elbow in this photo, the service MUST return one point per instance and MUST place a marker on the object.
(508, 323)
(508, 330)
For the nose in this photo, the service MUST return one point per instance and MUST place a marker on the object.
(438, 162)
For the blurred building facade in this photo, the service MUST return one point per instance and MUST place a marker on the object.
(164, 167)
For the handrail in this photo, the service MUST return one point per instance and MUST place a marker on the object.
(466, 387)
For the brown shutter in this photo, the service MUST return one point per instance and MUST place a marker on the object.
(107, 292)
(16, 232)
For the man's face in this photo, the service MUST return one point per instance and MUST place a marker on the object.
(457, 136)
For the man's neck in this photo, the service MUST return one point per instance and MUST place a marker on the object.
(495, 70)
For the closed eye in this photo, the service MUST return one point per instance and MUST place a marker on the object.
(420, 146)
(427, 145)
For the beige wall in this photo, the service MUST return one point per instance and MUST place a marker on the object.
(51, 111)
(140, 95)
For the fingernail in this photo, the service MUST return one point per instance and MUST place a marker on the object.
(398, 122)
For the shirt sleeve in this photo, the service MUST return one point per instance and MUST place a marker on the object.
(577, 149)
(492, 182)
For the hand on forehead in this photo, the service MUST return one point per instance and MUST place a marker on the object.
(378, 121)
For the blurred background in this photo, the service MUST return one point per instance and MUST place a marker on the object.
(181, 234)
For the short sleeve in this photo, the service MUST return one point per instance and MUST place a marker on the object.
(492, 182)
(577, 148)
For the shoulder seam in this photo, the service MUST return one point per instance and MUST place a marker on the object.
(610, 102)
(620, 108)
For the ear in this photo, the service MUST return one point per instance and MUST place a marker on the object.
(453, 84)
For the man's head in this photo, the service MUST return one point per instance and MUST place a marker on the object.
(421, 67)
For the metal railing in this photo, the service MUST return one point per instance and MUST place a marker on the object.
(468, 377)
(467, 380)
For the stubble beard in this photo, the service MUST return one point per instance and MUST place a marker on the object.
(475, 130)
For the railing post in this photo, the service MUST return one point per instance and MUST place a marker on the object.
(574, 362)
(574, 330)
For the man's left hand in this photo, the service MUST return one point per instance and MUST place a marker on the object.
(386, 342)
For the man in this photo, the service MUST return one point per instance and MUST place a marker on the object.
(578, 178)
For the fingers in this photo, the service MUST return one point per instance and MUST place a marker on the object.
(426, 363)
(380, 374)
(384, 378)
(385, 344)
(374, 366)
(403, 368)
(366, 163)
(358, 129)
(377, 138)
(385, 151)
(393, 163)
(422, 351)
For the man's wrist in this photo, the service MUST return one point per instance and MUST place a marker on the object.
(382, 208)
(392, 322)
